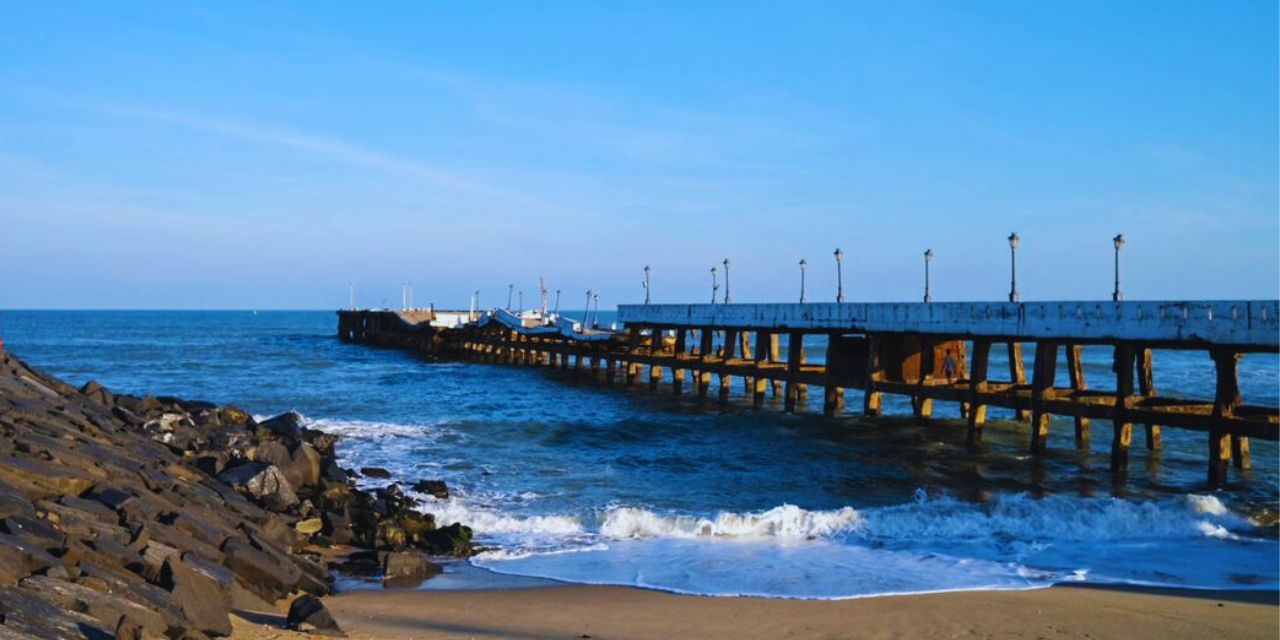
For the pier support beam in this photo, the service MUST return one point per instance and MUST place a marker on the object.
(1226, 399)
(872, 399)
(677, 373)
(832, 395)
(977, 385)
(1018, 375)
(1147, 389)
(795, 358)
(1046, 366)
(1075, 373)
(1121, 425)
(727, 351)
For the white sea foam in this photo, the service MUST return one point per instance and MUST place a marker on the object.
(786, 521)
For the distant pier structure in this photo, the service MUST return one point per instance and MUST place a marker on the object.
(924, 351)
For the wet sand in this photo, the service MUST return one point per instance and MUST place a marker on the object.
(619, 612)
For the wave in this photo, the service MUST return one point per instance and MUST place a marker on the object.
(785, 521)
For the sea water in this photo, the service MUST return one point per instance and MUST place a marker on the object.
(591, 483)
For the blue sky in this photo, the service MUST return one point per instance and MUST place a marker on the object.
(255, 155)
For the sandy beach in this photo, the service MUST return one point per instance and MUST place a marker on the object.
(616, 612)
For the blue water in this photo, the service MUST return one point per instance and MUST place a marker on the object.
(583, 482)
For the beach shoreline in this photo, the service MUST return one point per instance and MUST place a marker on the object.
(584, 611)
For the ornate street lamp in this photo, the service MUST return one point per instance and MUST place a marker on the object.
(1013, 266)
(839, 275)
(715, 286)
(596, 297)
(1116, 296)
(726, 281)
(803, 264)
(646, 284)
(511, 288)
(928, 257)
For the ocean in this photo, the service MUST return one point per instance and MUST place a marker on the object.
(578, 481)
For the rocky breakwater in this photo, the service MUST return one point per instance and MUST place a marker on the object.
(126, 517)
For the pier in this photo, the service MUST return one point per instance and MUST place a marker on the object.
(927, 352)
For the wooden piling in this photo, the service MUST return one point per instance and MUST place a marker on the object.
(1075, 373)
(1120, 421)
(1147, 389)
(1226, 398)
(1046, 365)
(1018, 375)
(978, 385)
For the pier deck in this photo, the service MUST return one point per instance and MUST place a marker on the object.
(925, 351)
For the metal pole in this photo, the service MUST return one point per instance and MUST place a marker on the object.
(1013, 267)
(928, 257)
(587, 314)
(726, 281)
(557, 311)
(1116, 296)
(596, 324)
(839, 275)
(510, 289)
(646, 284)
(715, 286)
(802, 266)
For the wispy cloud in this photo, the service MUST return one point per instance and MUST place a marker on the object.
(336, 149)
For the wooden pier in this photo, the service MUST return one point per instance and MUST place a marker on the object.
(928, 352)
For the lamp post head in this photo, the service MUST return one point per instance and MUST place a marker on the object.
(928, 255)
(1119, 241)
(1013, 240)
(713, 270)
(803, 263)
(726, 264)
(646, 269)
(839, 255)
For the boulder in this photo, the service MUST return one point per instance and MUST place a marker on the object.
(271, 452)
(435, 488)
(308, 613)
(453, 540)
(98, 393)
(401, 570)
(19, 559)
(303, 466)
(264, 483)
(375, 472)
(286, 426)
(199, 597)
(260, 572)
(105, 608)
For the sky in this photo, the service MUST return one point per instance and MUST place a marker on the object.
(264, 155)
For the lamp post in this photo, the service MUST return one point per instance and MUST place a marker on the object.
(646, 284)
(715, 286)
(1116, 296)
(510, 290)
(476, 306)
(1013, 266)
(726, 281)
(596, 297)
(803, 264)
(521, 307)
(587, 317)
(928, 257)
(839, 275)
(557, 311)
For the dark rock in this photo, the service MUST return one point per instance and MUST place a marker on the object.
(20, 558)
(199, 597)
(453, 540)
(402, 570)
(375, 472)
(264, 483)
(27, 612)
(105, 608)
(308, 613)
(271, 452)
(435, 488)
(129, 629)
(303, 466)
(260, 572)
(98, 393)
(286, 426)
